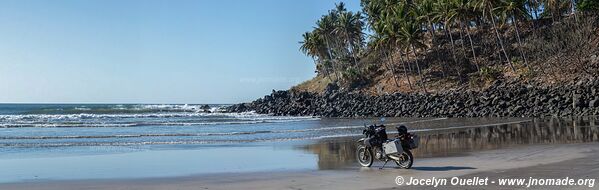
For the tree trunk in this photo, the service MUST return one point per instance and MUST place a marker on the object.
(462, 38)
(435, 53)
(410, 66)
(534, 22)
(455, 60)
(418, 67)
(515, 23)
(501, 41)
(432, 31)
(325, 71)
(351, 49)
(558, 12)
(326, 39)
(479, 23)
(472, 47)
(408, 61)
(405, 71)
(573, 10)
(392, 66)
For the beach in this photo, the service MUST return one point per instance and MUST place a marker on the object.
(557, 161)
(311, 94)
(253, 151)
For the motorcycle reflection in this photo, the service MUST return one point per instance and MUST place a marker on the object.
(375, 144)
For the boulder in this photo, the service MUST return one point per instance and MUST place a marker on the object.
(500, 99)
(594, 103)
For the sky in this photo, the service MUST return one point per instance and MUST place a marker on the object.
(153, 51)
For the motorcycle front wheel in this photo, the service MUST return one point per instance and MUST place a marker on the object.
(364, 156)
(405, 160)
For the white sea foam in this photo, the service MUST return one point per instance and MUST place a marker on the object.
(16, 125)
(185, 141)
(169, 107)
(139, 119)
(244, 115)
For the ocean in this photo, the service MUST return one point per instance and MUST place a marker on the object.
(68, 125)
(33, 127)
(101, 141)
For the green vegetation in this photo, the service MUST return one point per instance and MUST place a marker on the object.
(418, 42)
(335, 43)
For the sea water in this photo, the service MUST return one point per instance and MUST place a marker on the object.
(100, 141)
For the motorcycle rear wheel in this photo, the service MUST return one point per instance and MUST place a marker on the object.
(406, 160)
(364, 156)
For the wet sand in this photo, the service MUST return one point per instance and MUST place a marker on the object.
(564, 160)
(548, 148)
(579, 168)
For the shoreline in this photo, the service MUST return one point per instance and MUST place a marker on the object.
(501, 99)
(449, 147)
(492, 163)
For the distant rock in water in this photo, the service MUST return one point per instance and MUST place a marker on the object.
(501, 99)
(205, 108)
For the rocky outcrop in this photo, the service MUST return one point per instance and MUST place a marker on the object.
(501, 99)
(205, 108)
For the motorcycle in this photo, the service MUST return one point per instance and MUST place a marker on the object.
(375, 144)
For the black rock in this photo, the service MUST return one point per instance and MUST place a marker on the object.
(594, 103)
(511, 98)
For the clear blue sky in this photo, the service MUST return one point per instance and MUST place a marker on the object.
(129, 51)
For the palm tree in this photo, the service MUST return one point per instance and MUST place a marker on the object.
(553, 8)
(349, 27)
(588, 5)
(487, 6)
(381, 44)
(445, 14)
(534, 6)
(308, 46)
(324, 29)
(426, 12)
(411, 35)
(394, 30)
(313, 46)
(515, 10)
(463, 12)
(383, 17)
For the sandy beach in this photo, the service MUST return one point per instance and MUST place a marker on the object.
(299, 95)
(557, 161)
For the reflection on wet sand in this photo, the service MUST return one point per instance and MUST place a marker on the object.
(340, 153)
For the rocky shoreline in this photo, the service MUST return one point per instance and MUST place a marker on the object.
(501, 99)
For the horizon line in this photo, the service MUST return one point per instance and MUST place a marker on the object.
(114, 103)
